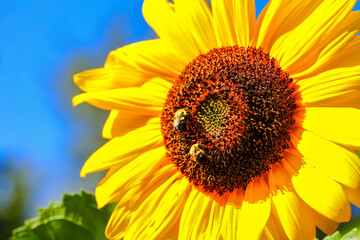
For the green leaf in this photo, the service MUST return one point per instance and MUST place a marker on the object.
(335, 236)
(354, 234)
(77, 217)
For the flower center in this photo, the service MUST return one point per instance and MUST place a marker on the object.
(228, 117)
(212, 115)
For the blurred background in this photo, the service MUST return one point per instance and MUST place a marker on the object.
(44, 141)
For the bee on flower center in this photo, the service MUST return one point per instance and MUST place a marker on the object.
(197, 153)
(180, 120)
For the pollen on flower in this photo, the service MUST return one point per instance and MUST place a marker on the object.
(239, 107)
(212, 115)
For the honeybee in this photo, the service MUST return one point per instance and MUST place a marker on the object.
(198, 154)
(180, 120)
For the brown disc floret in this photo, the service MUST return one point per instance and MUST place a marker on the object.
(237, 110)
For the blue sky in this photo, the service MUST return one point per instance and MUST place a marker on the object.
(38, 38)
(41, 41)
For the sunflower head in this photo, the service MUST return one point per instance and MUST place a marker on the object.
(239, 105)
(231, 127)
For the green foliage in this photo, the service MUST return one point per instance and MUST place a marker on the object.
(12, 202)
(77, 217)
(354, 234)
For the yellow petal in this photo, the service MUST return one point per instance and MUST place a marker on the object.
(151, 58)
(113, 187)
(325, 224)
(101, 79)
(244, 21)
(340, 125)
(134, 197)
(169, 27)
(343, 59)
(290, 48)
(121, 150)
(279, 17)
(333, 45)
(158, 213)
(273, 229)
(223, 13)
(148, 98)
(320, 192)
(215, 221)
(173, 233)
(234, 21)
(196, 220)
(333, 160)
(231, 215)
(348, 98)
(337, 80)
(353, 195)
(122, 122)
(255, 210)
(263, 22)
(334, 88)
(196, 16)
(115, 230)
(294, 214)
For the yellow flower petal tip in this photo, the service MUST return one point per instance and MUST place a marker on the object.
(231, 127)
(77, 100)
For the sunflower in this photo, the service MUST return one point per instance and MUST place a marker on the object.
(228, 126)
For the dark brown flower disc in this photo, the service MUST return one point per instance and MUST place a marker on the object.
(239, 108)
